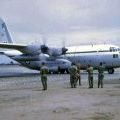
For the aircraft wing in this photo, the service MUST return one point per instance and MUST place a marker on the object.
(12, 46)
(26, 49)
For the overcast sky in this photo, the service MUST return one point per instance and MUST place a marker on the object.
(75, 21)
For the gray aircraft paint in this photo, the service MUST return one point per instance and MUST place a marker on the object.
(34, 59)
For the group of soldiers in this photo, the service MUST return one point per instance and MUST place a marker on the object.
(75, 75)
(100, 75)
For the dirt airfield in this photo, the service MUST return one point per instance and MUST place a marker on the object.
(22, 98)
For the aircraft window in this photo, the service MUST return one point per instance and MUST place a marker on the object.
(110, 49)
(115, 55)
(113, 49)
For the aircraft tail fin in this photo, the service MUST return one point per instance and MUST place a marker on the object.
(4, 34)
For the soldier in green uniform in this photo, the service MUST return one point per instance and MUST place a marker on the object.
(44, 72)
(90, 76)
(78, 73)
(73, 75)
(100, 75)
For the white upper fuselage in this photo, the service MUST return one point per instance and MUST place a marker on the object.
(93, 48)
(109, 55)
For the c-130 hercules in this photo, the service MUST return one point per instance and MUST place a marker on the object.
(31, 56)
(59, 59)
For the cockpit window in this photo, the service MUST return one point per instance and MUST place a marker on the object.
(118, 49)
(113, 49)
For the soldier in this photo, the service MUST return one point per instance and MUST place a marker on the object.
(44, 72)
(90, 76)
(100, 75)
(73, 75)
(78, 73)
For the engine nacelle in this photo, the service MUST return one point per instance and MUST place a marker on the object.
(56, 51)
(32, 49)
(53, 51)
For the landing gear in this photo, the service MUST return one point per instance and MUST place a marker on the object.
(110, 70)
(67, 71)
(62, 71)
(55, 72)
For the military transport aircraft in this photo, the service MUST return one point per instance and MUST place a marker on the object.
(31, 56)
(108, 54)
(59, 59)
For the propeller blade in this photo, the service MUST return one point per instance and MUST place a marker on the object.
(44, 48)
(64, 50)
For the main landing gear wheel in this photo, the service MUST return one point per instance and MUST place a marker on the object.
(110, 70)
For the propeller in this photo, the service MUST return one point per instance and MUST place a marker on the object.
(64, 49)
(53, 51)
(44, 48)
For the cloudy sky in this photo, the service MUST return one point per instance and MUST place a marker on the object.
(73, 21)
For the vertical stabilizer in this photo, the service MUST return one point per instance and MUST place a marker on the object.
(4, 34)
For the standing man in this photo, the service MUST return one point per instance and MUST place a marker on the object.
(90, 76)
(73, 75)
(44, 72)
(100, 75)
(78, 73)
